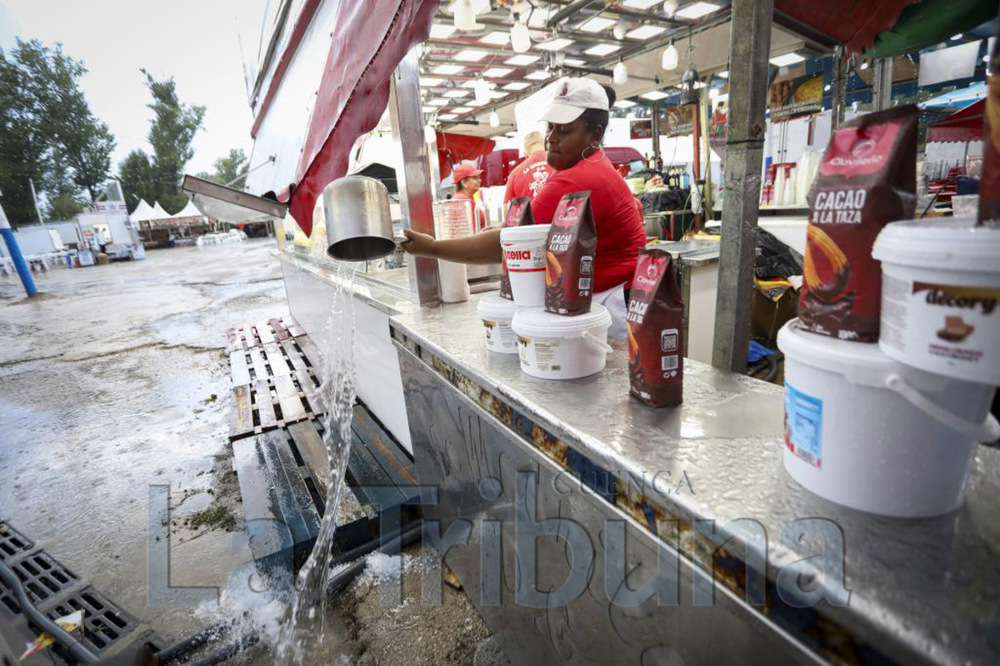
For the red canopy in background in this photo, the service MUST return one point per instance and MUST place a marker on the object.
(964, 125)
(853, 23)
(369, 40)
(456, 148)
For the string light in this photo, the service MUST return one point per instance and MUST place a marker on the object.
(465, 18)
(670, 57)
(494, 119)
(520, 40)
(620, 74)
(670, 8)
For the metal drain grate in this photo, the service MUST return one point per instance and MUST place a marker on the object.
(9, 607)
(42, 576)
(104, 624)
(12, 542)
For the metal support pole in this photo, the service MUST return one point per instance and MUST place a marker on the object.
(656, 135)
(839, 86)
(414, 182)
(15, 254)
(882, 94)
(706, 150)
(749, 47)
(34, 198)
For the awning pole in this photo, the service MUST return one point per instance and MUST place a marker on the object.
(839, 85)
(414, 181)
(749, 48)
(657, 162)
(882, 95)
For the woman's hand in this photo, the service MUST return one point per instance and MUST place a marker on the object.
(418, 244)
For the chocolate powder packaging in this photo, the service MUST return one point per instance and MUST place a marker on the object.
(989, 183)
(655, 323)
(518, 215)
(866, 180)
(569, 259)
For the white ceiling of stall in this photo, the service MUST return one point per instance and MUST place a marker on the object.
(443, 98)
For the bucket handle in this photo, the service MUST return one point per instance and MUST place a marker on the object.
(596, 343)
(987, 431)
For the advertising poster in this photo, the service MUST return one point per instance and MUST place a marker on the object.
(791, 98)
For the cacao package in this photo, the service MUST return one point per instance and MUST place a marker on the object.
(989, 183)
(518, 215)
(569, 257)
(866, 180)
(655, 323)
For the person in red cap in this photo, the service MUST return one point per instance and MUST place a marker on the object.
(577, 118)
(467, 181)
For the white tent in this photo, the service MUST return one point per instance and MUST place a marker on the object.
(190, 210)
(142, 212)
(159, 213)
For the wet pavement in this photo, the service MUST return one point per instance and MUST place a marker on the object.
(116, 380)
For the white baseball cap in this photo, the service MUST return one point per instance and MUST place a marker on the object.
(573, 97)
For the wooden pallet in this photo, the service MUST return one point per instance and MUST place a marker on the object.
(276, 402)
(262, 332)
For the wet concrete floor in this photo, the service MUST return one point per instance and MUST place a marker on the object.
(115, 381)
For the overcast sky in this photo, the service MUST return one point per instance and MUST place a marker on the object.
(194, 41)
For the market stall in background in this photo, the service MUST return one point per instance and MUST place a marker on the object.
(769, 145)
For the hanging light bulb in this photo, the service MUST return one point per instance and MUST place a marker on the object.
(713, 93)
(481, 89)
(520, 40)
(670, 57)
(620, 74)
(494, 119)
(465, 18)
(430, 136)
(619, 30)
(670, 8)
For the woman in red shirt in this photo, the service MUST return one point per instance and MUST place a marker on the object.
(577, 119)
(467, 181)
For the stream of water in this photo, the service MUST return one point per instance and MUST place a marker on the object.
(303, 631)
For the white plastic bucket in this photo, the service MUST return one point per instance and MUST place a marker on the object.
(524, 249)
(941, 297)
(496, 314)
(867, 432)
(552, 346)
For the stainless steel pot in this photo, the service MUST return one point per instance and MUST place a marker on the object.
(358, 222)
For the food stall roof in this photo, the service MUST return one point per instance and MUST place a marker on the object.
(142, 212)
(965, 125)
(957, 99)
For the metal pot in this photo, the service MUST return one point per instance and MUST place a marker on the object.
(358, 222)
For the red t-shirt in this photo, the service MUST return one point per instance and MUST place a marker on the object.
(527, 178)
(620, 234)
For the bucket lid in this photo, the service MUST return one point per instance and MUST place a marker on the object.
(530, 232)
(860, 362)
(953, 244)
(538, 322)
(497, 306)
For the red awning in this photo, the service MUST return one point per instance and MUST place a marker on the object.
(964, 125)
(853, 23)
(455, 148)
(368, 41)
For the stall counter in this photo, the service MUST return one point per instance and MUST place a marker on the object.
(914, 591)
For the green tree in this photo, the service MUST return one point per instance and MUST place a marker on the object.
(65, 207)
(171, 133)
(230, 170)
(48, 134)
(136, 175)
